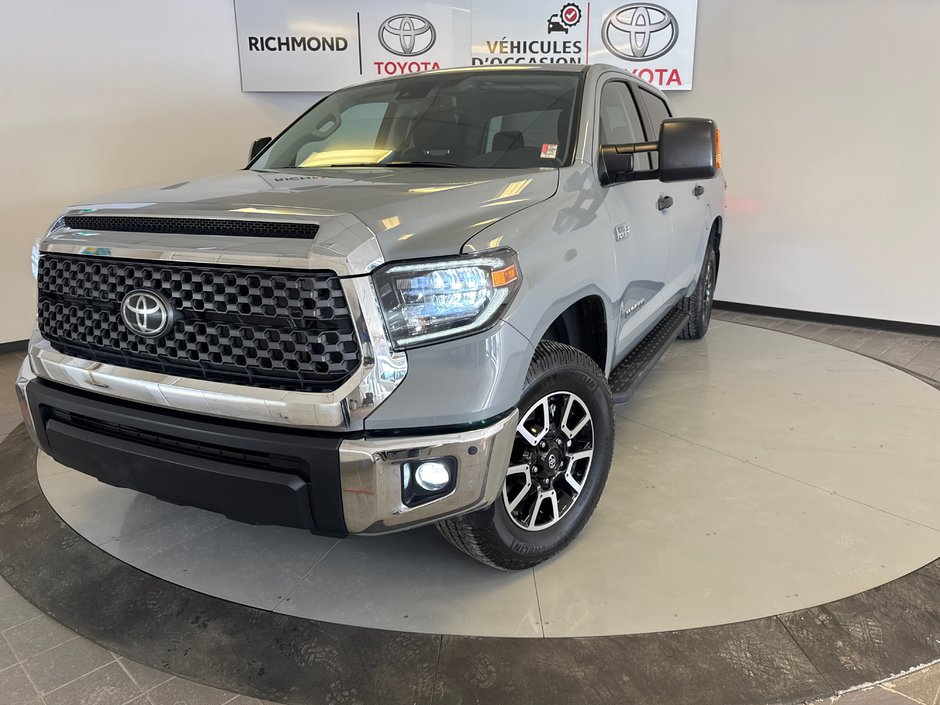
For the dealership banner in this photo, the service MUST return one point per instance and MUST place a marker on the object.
(300, 45)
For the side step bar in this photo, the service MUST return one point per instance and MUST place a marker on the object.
(626, 376)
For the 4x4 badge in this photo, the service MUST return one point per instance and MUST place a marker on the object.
(621, 232)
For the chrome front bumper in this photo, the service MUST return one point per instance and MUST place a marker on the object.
(371, 475)
(367, 498)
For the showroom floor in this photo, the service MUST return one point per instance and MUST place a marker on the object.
(712, 456)
(41, 661)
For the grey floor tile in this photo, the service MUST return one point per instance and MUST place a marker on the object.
(245, 700)
(808, 330)
(738, 317)
(15, 688)
(785, 325)
(880, 344)
(869, 696)
(144, 676)
(8, 373)
(15, 610)
(922, 686)
(37, 635)
(905, 350)
(10, 419)
(106, 686)
(722, 315)
(855, 338)
(830, 334)
(8, 398)
(183, 692)
(7, 657)
(925, 370)
(64, 663)
(929, 356)
(6, 589)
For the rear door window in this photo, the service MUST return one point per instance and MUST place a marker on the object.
(656, 111)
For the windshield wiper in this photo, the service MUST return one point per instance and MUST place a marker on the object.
(444, 165)
(447, 165)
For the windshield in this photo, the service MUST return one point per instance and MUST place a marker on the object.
(483, 120)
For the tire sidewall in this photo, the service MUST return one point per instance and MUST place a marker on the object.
(704, 312)
(593, 392)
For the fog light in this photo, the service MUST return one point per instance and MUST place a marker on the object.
(432, 476)
(424, 481)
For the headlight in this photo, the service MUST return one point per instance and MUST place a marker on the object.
(34, 255)
(426, 302)
(34, 258)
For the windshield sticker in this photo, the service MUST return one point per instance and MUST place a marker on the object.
(549, 151)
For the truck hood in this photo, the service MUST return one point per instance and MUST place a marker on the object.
(413, 212)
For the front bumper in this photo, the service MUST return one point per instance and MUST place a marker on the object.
(329, 483)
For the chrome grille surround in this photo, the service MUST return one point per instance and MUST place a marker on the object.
(343, 245)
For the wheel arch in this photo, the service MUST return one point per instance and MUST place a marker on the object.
(715, 235)
(582, 324)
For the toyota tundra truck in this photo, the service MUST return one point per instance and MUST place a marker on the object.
(417, 305)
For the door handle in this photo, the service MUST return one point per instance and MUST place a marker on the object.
(664, 202)
(698, 190)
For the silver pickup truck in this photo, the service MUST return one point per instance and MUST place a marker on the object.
(416, 305)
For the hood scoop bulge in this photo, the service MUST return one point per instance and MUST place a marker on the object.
(192, 226)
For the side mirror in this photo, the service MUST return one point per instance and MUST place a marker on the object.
(688, 149)
(257, 147)
(615, 163)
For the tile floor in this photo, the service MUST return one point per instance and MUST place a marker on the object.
(917, 353)
(43, 662)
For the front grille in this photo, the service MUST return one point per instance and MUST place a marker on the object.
(277, 329)
(191, 226)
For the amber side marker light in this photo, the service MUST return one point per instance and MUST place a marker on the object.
(507, 275)
(717, 148)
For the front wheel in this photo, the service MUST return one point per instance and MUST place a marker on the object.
(560, 459)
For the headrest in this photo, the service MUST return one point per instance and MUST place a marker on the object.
(437, 133)
(510, 139)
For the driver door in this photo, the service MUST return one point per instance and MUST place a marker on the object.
(641, 233)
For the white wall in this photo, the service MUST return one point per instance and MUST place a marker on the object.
(97, 95)
(829, 113)
(830, 122)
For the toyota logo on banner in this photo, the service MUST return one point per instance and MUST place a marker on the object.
(407, 35)
(640, 32)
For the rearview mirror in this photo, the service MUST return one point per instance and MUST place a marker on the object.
(257, 147)
(688, 149)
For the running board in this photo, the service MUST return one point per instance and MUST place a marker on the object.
(626, 376)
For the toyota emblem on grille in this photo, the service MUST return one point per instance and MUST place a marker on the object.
(407, 35)
(640, 32)
(146, 313)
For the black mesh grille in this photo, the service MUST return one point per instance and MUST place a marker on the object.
(277, 329)
(191, 226)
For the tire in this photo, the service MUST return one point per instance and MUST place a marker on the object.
(563, 387)
(699, 303)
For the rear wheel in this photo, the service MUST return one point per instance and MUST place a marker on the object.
(558, 467)
(699, 303)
